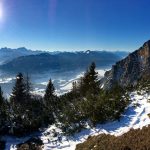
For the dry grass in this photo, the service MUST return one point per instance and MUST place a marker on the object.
(31, 144)
(133, 140)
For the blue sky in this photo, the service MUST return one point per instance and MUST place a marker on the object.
(74, 24)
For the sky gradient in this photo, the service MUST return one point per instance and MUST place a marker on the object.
(70, 25)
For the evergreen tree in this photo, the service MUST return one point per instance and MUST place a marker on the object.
(74, 86)
(50, 101)
(18, 95)
(26, 109)
(92, 104)
(93, 79)
(75, 90)
(27, 87)
(90, 81)
(49, 92)
(3, 112)
(1, 96)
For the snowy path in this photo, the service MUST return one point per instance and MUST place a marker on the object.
(136, 116)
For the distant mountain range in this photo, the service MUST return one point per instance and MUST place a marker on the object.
(21, 59)
(8, 54)
(130, 70)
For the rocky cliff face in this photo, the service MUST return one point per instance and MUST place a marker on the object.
(129, 70)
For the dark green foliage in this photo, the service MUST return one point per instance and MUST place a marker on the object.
(70, 115)
(50, 102)
(28, 87)
(1, 97)
(2, 145)
(3, 113)
(90, 82)
(49, 91)
(143, 84)
(30, 119)
(26, 110)
(50, 99)
(107, 105)
(88, 103)
(18, 93)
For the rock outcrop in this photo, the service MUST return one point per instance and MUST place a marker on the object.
(129, 70)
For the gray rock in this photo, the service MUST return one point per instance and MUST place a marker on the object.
(130, 69)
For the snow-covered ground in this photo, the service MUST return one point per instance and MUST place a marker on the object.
(62, 81)
(135, 116)
(68, 84)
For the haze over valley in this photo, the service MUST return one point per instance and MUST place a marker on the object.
(62, 67)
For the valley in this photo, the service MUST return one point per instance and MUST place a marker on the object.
(62, 81)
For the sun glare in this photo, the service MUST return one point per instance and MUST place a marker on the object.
(1, 12)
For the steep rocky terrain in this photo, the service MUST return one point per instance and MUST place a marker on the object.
(129, 70)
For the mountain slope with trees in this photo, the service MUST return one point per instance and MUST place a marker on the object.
(88, 103)
(25, 112)
(85, 106)
(132, 74)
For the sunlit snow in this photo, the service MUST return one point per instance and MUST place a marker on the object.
(135, 116)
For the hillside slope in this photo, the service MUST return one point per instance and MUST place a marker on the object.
(135, 116)
(132, 140)
(128, 71)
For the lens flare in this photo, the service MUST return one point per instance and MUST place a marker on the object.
(52, 10)
(1, 11)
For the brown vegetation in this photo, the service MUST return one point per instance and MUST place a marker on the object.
(31, 144)
(133, 140)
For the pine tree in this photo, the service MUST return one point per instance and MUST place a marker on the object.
(28, 88)
(1, 96)
(26, 110)
(3, 111)
(74, 88)
(93, 79)
(90, 81)
(49, 91)
(18, 95)
(50, 101)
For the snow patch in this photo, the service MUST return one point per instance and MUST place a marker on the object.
(135, 116)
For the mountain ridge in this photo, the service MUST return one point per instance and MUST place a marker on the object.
(8, 54)
(62, 60)
(129, 70)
